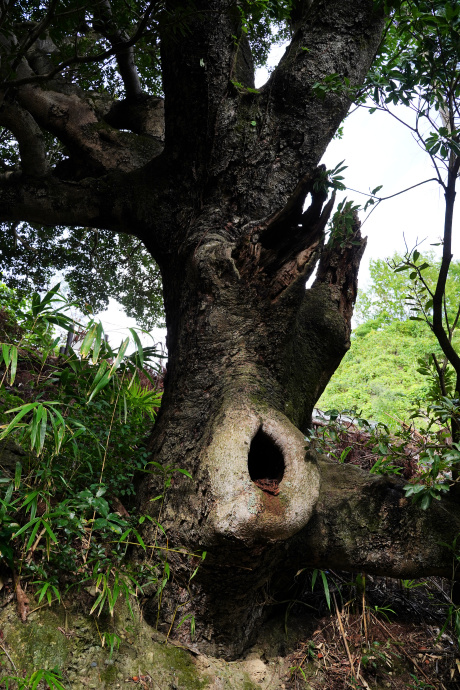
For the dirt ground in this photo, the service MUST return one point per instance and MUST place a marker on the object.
(380, 633)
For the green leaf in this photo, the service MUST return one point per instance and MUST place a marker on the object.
(139, 539)
(14, 363)
(23, 410)
(35, 678)
(6, 354)
(49, 531)
(35, 521)
(140, 349)
(426, 501)
(187, 474)
(17, 475)
(120, 355)
(88, 341)
(102, 383)
(97, 342)
(43, 591)
(326, 589)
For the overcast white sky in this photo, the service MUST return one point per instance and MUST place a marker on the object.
(378, 151)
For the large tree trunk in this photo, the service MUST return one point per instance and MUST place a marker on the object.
(249, 353)
(247, 363)
(250, 349)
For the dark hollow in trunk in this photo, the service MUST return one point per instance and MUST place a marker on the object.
(265, 459)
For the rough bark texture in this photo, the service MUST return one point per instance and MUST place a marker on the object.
(215, 181)
(360, 523)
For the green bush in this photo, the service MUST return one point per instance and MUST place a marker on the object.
(80, 419)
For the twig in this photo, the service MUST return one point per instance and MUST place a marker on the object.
(366, 637)
(35, 544)
(9, 658)
(342, 631)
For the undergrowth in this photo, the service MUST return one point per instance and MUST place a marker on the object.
(73, 438)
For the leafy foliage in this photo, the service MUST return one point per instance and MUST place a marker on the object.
(67, 513)
(378, 375)
(96, 264)
(390, 366)
(390, 295)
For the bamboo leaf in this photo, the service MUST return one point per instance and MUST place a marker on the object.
(49, 531)
(23, 410)
(88, 341)
(43, 591)
(50, 295)
(14, 363)
(139, 347)
(34, 426)
(6, 354)
(120, 355)
(98, 342)
(36, 678)
(25, 527)
(326, 589)
(139, 539)
(42, 435)
(100, 372)
(17, 475)
(102, 383)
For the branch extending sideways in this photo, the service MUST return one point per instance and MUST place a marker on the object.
(338, 536)
(50, 201)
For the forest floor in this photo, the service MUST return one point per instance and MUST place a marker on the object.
(379, 633)
(376, 632)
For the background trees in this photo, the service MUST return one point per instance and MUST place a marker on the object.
(381, 376)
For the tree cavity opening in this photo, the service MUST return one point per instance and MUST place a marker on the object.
(265, 463)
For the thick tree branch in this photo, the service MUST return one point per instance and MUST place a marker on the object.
(96, 147)
(320, 336)
(197, 69)
(364, 523)
(105, 24)
(140, 203)
(292, 126)
(49, 201)
(339, 265)
(145, 116)
(29, 137)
